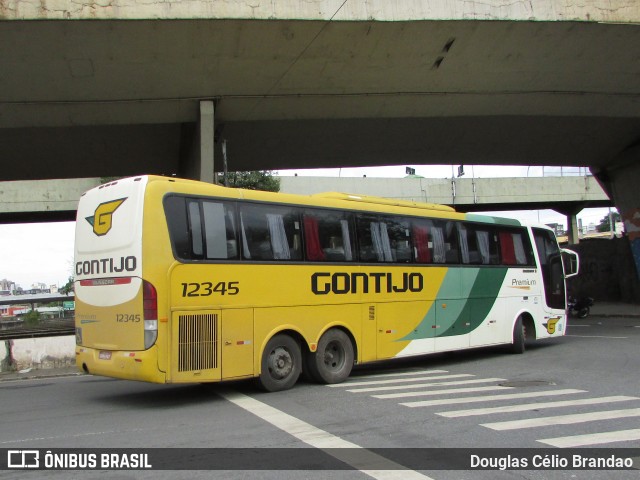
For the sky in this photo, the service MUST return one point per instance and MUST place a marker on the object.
(43, 252)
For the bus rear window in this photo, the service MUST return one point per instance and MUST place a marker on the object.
(175, 210)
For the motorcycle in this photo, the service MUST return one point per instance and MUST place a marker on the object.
(579, 307)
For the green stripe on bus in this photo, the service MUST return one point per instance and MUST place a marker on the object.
(496, 220)
(480, 301)
(466, 295)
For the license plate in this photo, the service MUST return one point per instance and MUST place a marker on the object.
(104, 356)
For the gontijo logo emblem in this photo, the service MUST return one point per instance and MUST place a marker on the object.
(551, 324)
(102, 218)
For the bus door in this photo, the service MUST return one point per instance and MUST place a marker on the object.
(554, 295)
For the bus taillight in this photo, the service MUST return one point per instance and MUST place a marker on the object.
(150, 305)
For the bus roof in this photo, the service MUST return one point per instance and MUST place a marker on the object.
(331, 199)
(353, 197)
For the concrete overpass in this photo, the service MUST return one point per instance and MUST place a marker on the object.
(566, 195)
(563, 194)
(129, 86)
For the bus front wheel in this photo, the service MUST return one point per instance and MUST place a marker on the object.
(333, 359)
(281, 364)
(519, 336)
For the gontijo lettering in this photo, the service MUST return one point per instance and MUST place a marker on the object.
(340, 283)
(106, 265)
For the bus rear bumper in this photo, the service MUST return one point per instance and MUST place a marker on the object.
(138, 365)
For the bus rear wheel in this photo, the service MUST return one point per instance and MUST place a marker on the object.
(281, 364)
(333, 359)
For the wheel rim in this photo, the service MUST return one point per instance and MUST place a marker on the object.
(334, 356)
(280, 363)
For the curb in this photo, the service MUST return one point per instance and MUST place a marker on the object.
(38, 374)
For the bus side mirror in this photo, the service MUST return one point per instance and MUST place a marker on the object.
(571, 263)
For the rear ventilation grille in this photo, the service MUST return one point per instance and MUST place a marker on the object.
(197, 342)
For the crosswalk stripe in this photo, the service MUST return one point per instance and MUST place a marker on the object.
(368, 462)
(563, 419)
(446, 391)
(597, 336)
(400, 374)
(593, 438)
(421, 385)
(399, 380)
(489, 398)
(534, 406)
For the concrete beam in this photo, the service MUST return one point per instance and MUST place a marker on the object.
(22, 200)
(335, 10)
(466, 194)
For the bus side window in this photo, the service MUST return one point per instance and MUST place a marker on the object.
(175, 210)
(369, 239)
(478, 244)
(399, 239)
(270, 233)
(515, 248)
(328, 237)
(220, 232)
(431, 243)
(384, 239)
(423, 244)
(373, 239)
(195, 224)
(451, 246)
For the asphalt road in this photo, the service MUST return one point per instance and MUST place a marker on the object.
(579, 390)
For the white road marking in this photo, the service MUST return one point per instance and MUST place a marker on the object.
(363, 459)
(534, 406)
(593, 438)
(595, 336)
(422, 385)
(563, 419)
(489, 398)
(398, 374)
(398, 380)
(429, 393)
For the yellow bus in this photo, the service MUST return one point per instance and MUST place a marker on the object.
(182, 281)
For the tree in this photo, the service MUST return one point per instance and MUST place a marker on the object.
(32, 318)
(68, 287)
(604, 223)
(257, 180)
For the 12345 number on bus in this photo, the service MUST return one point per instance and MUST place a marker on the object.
(206, 289)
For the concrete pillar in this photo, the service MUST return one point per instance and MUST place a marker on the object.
(621, 178)
(206, 141)
(572, 222)
(572, 229)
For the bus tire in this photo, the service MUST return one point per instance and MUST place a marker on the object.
(519, 337)
(281, 364)
(333, 360)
